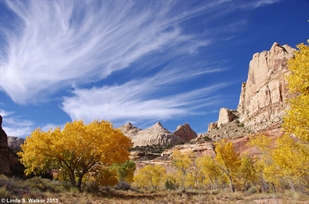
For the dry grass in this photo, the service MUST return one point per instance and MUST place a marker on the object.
(37, 188)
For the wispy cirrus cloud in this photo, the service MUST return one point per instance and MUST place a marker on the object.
(58, 43)
(140, 100)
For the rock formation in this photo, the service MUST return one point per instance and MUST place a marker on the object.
(155, 135)
(6, 159)
(212, 126)
(263, 96)
(14, 143)
(185, 132)
(129, 130)
(225, 116)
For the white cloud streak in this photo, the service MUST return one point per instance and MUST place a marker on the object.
(4, 113)
(133, 101)
(59, 43)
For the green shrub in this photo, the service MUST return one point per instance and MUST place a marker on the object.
(43, 185)
(170, 185)
(252, 190)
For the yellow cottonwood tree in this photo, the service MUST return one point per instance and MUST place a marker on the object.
(292, 158)
(210, 171)
(267, 173)
(76, 150)
(296, 120)
(182, 162)
(228, 160)
(150, 176)
(247, 172)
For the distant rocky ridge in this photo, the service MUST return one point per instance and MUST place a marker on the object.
(158, 135)
(263, 96)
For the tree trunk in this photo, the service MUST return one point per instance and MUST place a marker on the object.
(72, 179)
(79, 183)
(232, 185)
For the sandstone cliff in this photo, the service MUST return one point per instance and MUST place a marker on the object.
(263, 96)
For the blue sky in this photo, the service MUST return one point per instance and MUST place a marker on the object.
(140, 61)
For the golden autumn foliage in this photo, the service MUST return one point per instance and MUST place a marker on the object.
(296, 119)
(292, 159)
(263, 162)
(182, 163)
(150, 176)
(227, 160)
(76, 150)
(209, 171)
(247, 173)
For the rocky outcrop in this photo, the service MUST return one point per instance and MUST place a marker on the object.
(9, 163)
(228, 130)
(14, 143)
(225, 116)
(129, 130)
(263, 96)
(185, 132)
(6, 157)
(212, 126)
(155, 135)
(202, 149)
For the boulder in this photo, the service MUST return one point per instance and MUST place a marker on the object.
(185, 132)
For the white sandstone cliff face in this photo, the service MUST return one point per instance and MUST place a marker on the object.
(263, 96)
